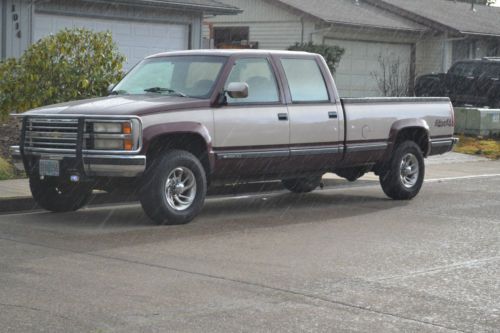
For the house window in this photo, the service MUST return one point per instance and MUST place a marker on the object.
(233, 38)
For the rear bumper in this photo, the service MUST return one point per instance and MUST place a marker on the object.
(441, 146)
(93, 165)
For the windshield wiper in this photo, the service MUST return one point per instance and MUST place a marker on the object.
(167, 90)
(118, 92)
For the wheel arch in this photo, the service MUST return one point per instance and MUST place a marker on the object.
(189, 136)
(416, 130)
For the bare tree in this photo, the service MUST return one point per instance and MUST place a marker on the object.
(393, 78)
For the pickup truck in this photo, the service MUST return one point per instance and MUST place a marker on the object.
(471, 82)
(182, 121)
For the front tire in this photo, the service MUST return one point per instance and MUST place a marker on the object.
(302, 185)
(404, 174)
(174, 188)
(58, 196)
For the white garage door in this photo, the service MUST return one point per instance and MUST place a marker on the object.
(354, 75)
(134, 39)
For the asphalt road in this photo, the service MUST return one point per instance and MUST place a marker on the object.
(341, 259)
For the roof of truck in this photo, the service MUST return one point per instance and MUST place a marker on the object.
(228, 52)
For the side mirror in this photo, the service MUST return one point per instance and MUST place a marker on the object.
(110, 87)
(237, 90)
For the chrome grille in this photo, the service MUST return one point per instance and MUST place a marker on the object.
(51, 134)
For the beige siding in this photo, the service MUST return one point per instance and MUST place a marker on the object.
(430, 56)
(258, 11)
(274, 26)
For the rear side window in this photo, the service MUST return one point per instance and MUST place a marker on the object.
(305, 80)
(258, 74)
(467, 69)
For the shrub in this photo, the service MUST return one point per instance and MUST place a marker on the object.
(72, 64)
(6, 170)
(332, 54)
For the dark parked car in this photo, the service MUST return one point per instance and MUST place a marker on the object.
(472, 82)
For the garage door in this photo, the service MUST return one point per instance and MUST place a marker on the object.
(354, 75)
(134, 39)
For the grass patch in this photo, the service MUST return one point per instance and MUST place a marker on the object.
(475, 146)
(6, 170)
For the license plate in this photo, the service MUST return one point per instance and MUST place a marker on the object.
(48, 168)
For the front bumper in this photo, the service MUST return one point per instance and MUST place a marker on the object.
(93, 165)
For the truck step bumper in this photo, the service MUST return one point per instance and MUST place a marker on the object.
(93, 165)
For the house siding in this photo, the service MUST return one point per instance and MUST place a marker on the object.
(274, 26)
(433, 55)
(16, 35)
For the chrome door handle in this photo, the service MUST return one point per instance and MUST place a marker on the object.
(282, 116)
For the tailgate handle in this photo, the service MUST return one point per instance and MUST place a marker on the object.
(282, 116)
(332, 115)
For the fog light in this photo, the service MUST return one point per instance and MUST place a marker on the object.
(74, 178)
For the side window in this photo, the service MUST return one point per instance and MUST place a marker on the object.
(305, 80)
(258, 74)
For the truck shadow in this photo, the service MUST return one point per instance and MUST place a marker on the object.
(103, 228)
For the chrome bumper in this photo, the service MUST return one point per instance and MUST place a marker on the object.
(441, 146)
(94, 165)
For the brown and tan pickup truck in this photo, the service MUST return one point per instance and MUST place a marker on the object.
(181, 121)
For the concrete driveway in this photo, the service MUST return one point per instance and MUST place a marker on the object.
(341, 259)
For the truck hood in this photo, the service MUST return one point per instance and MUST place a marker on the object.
(124, 105)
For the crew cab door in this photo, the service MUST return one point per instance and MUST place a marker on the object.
(316, 121)
(252, 134)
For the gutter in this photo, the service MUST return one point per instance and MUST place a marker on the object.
(220, 10)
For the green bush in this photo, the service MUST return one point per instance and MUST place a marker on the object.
(332, 54)
(6, 170)
(72, 64)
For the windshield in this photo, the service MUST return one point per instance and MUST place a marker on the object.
(187, 76)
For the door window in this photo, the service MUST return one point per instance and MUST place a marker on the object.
(258, 74)
(305, 80)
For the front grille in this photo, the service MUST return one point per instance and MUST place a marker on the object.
(51, 134)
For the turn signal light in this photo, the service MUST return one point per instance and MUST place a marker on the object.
(128, 144)
(126, 128)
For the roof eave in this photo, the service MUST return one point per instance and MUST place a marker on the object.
(470, 33)
(412, 30)
(216, 10)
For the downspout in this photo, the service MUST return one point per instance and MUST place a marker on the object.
(330, 27)
(3, 37)
(302, 30)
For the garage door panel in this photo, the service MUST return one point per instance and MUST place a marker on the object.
(135, 40)
(354, 75)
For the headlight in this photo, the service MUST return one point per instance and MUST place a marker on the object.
(113, 135)
(106, 144)
(107, 128)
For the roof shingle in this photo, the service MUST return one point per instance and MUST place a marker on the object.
(484, 20)
(351, 13)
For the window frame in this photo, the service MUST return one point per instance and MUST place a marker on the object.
(274, 71)
(329, 86)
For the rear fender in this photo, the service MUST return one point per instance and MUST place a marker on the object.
(404, 124)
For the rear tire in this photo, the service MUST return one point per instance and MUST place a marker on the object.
(403, 176)
(59, 196)
(174, 188)
(302, 185)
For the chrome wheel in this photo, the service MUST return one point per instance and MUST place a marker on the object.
(409, 170)
(180, 188)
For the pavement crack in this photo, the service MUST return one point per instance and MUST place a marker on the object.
(247, 283)
(438, 269)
